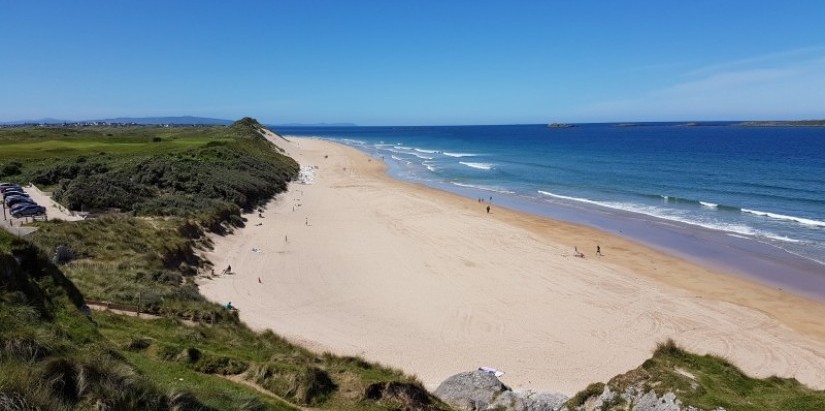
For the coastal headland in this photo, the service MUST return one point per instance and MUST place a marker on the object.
(356, 263)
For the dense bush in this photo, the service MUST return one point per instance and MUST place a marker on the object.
(68, 170)
(211, 182)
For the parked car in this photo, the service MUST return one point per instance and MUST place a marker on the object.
(13, 190)
(28, 211)
(20, 205)
(10, 187)
(20, 193)
(7, 189)
(12, 200)
(14, 194)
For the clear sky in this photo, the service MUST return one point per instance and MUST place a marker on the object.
(413, 62)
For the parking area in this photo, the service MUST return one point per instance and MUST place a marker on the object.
(24, 204)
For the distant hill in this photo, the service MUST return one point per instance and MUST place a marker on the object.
(36, 121)
(797, 123)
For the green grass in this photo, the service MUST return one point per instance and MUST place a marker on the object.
(130, 260)
(206, 173)
(54, 357)
(166, 351)
(49, 142)
(212, 390)
(708, 382)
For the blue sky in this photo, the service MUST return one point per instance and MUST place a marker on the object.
(413, 62)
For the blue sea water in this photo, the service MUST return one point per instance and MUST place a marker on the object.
(759, 190)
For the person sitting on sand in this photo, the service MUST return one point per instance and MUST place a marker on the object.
(577, 252)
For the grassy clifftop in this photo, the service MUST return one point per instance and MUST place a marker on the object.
(156, 192)
(702, 381)
(206, 173)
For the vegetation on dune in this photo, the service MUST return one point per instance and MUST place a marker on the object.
(55, 354)
(706, 382)
(205, 173)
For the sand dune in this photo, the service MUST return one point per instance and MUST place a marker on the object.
(357, 263)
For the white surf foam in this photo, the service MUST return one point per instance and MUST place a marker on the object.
(459, 154)
(480, 166)
(708, 205)
(800, 220)
(484, 188)
(665, 215)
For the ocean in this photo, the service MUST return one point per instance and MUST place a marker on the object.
(749, 200)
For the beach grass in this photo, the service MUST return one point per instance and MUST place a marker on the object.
(192, 353)
(206, 173)
(706, 382)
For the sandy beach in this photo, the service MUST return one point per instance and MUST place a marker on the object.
(357, 263)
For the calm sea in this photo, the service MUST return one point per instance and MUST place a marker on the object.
(750, 199)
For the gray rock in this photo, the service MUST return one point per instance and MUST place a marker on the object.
(650, 402)
(479, 391)
(637, 398)
(470, 391)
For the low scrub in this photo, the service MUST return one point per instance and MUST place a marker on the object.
(302, 384)
(705, 382)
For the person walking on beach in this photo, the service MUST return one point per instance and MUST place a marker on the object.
(598, 250)
(488, 209)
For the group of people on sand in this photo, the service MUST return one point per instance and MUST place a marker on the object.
(580, 254)
(481, 200)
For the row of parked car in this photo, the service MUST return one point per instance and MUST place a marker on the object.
(18, 202)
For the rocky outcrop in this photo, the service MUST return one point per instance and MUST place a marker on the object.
(482, 391)
(633, 398)
(479, 390)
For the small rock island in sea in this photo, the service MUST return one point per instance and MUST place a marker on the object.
(560, 125)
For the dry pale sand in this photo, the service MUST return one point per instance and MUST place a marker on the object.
(428, 282)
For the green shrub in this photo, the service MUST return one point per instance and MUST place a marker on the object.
(302, 384)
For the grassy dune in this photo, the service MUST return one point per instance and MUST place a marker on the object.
(143, 249)
(705, 382)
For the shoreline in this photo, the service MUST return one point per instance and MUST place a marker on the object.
(426, 281)
(719, 250)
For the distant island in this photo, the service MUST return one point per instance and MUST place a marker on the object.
(798, 123)
(560, 125)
